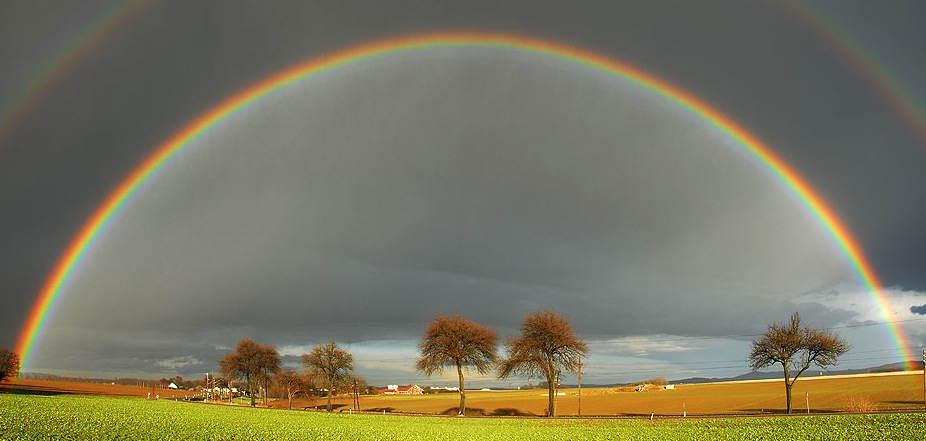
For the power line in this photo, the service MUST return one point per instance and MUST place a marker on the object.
(859, 325)
(683, 338)
(656, 371)
(711, 365)
(644, 339)
(745, 359)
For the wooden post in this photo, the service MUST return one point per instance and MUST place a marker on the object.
(807, 398)
(924, 377)
(579, 381)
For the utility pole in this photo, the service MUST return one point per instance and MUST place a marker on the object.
(924, 377)
(579, 383)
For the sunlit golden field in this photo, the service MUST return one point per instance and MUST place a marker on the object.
(833, 394)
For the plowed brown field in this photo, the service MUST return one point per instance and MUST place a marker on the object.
(52, 387)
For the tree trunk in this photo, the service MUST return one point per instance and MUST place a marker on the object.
(553, 382)
(788, 385)
(579, 384)
(330, 387)
(551, 400)
(462, 409)
(551, 394)
(289, 404)
(250, 389)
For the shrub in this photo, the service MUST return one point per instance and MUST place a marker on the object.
(657, 381)
(859, 403)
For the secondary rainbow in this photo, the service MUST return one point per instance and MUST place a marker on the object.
(865, 62)
(116, 200)
(45, 75)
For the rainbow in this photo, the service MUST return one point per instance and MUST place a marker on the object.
(45, 75)
(865, 62)
(118, 198)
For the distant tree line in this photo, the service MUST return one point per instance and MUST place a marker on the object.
(178, 380)
(327, 369)
(546, 348)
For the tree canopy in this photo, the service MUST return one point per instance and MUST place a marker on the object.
(546, 348)
(252, 362)
(795, 348)
(331, 363)
(453, 341)
(292, 383)
(9, 364)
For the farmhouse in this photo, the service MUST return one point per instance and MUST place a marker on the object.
(446, 388)
(395, 389)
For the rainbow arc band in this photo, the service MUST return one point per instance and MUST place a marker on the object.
(117, 200)
(864, 62)
(55, 68)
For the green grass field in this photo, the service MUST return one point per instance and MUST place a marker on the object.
(76, 417)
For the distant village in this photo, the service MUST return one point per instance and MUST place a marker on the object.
(213, 387)
(200, 387)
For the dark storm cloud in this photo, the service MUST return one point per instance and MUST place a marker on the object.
(488, 183)
(919, 309)
(753, 61)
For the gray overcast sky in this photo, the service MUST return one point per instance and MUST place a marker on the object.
(485, 182)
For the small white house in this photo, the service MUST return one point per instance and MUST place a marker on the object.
(173, 385)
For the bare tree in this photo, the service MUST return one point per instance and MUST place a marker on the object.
(252, 362)
(9, 364)
(269, 361)
(453, 341)
(331, 363)
(292, 383)
(795, 348)
(546, 347)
